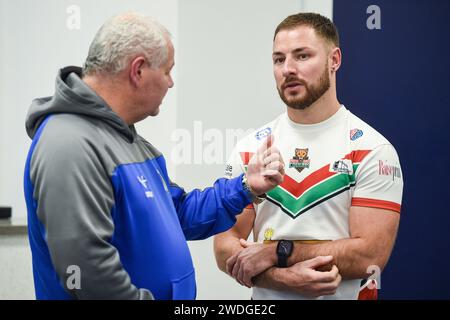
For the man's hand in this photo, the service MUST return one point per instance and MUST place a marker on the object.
(251, 261)
(266, 168)
(304, 278)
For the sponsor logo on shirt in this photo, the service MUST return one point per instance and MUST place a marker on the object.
(355, 134)
(149, 194)
(300, 160)
(386, 169)
(261, 134)
(143, 181)
(268, 234)
(342, 166)
(229, 170)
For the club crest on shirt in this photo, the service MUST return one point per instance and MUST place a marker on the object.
(300, 160)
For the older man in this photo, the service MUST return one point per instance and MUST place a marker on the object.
(105, 220)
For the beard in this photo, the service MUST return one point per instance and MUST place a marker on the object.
(312, 91)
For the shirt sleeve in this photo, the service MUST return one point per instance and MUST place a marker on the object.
(379, 180)
(203, 213)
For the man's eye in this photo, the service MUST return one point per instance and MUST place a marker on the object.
(303, 56)
(278, 60)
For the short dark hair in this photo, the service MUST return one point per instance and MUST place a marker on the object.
(322, 25)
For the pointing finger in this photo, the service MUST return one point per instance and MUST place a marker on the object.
(266, 145)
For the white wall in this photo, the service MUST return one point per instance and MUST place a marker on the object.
(3, 201)
(324, 7)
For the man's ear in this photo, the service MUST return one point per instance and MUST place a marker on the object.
(136, 69)
(335, 59)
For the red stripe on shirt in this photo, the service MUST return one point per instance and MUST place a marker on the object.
(375, 203)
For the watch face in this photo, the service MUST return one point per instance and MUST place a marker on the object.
(285, 248)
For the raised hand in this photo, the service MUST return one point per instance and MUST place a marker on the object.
(266, 168)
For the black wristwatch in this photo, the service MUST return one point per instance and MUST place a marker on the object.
(284, 251)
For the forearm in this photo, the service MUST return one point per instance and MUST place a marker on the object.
(211, 211)
(272, 278)
(352, 256)
(372, 237)
(227, 244)
(224, 248)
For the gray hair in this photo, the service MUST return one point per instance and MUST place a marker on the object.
(124, 37)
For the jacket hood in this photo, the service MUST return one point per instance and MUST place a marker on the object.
(74, 96)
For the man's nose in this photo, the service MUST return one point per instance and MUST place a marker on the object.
(289, 67)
